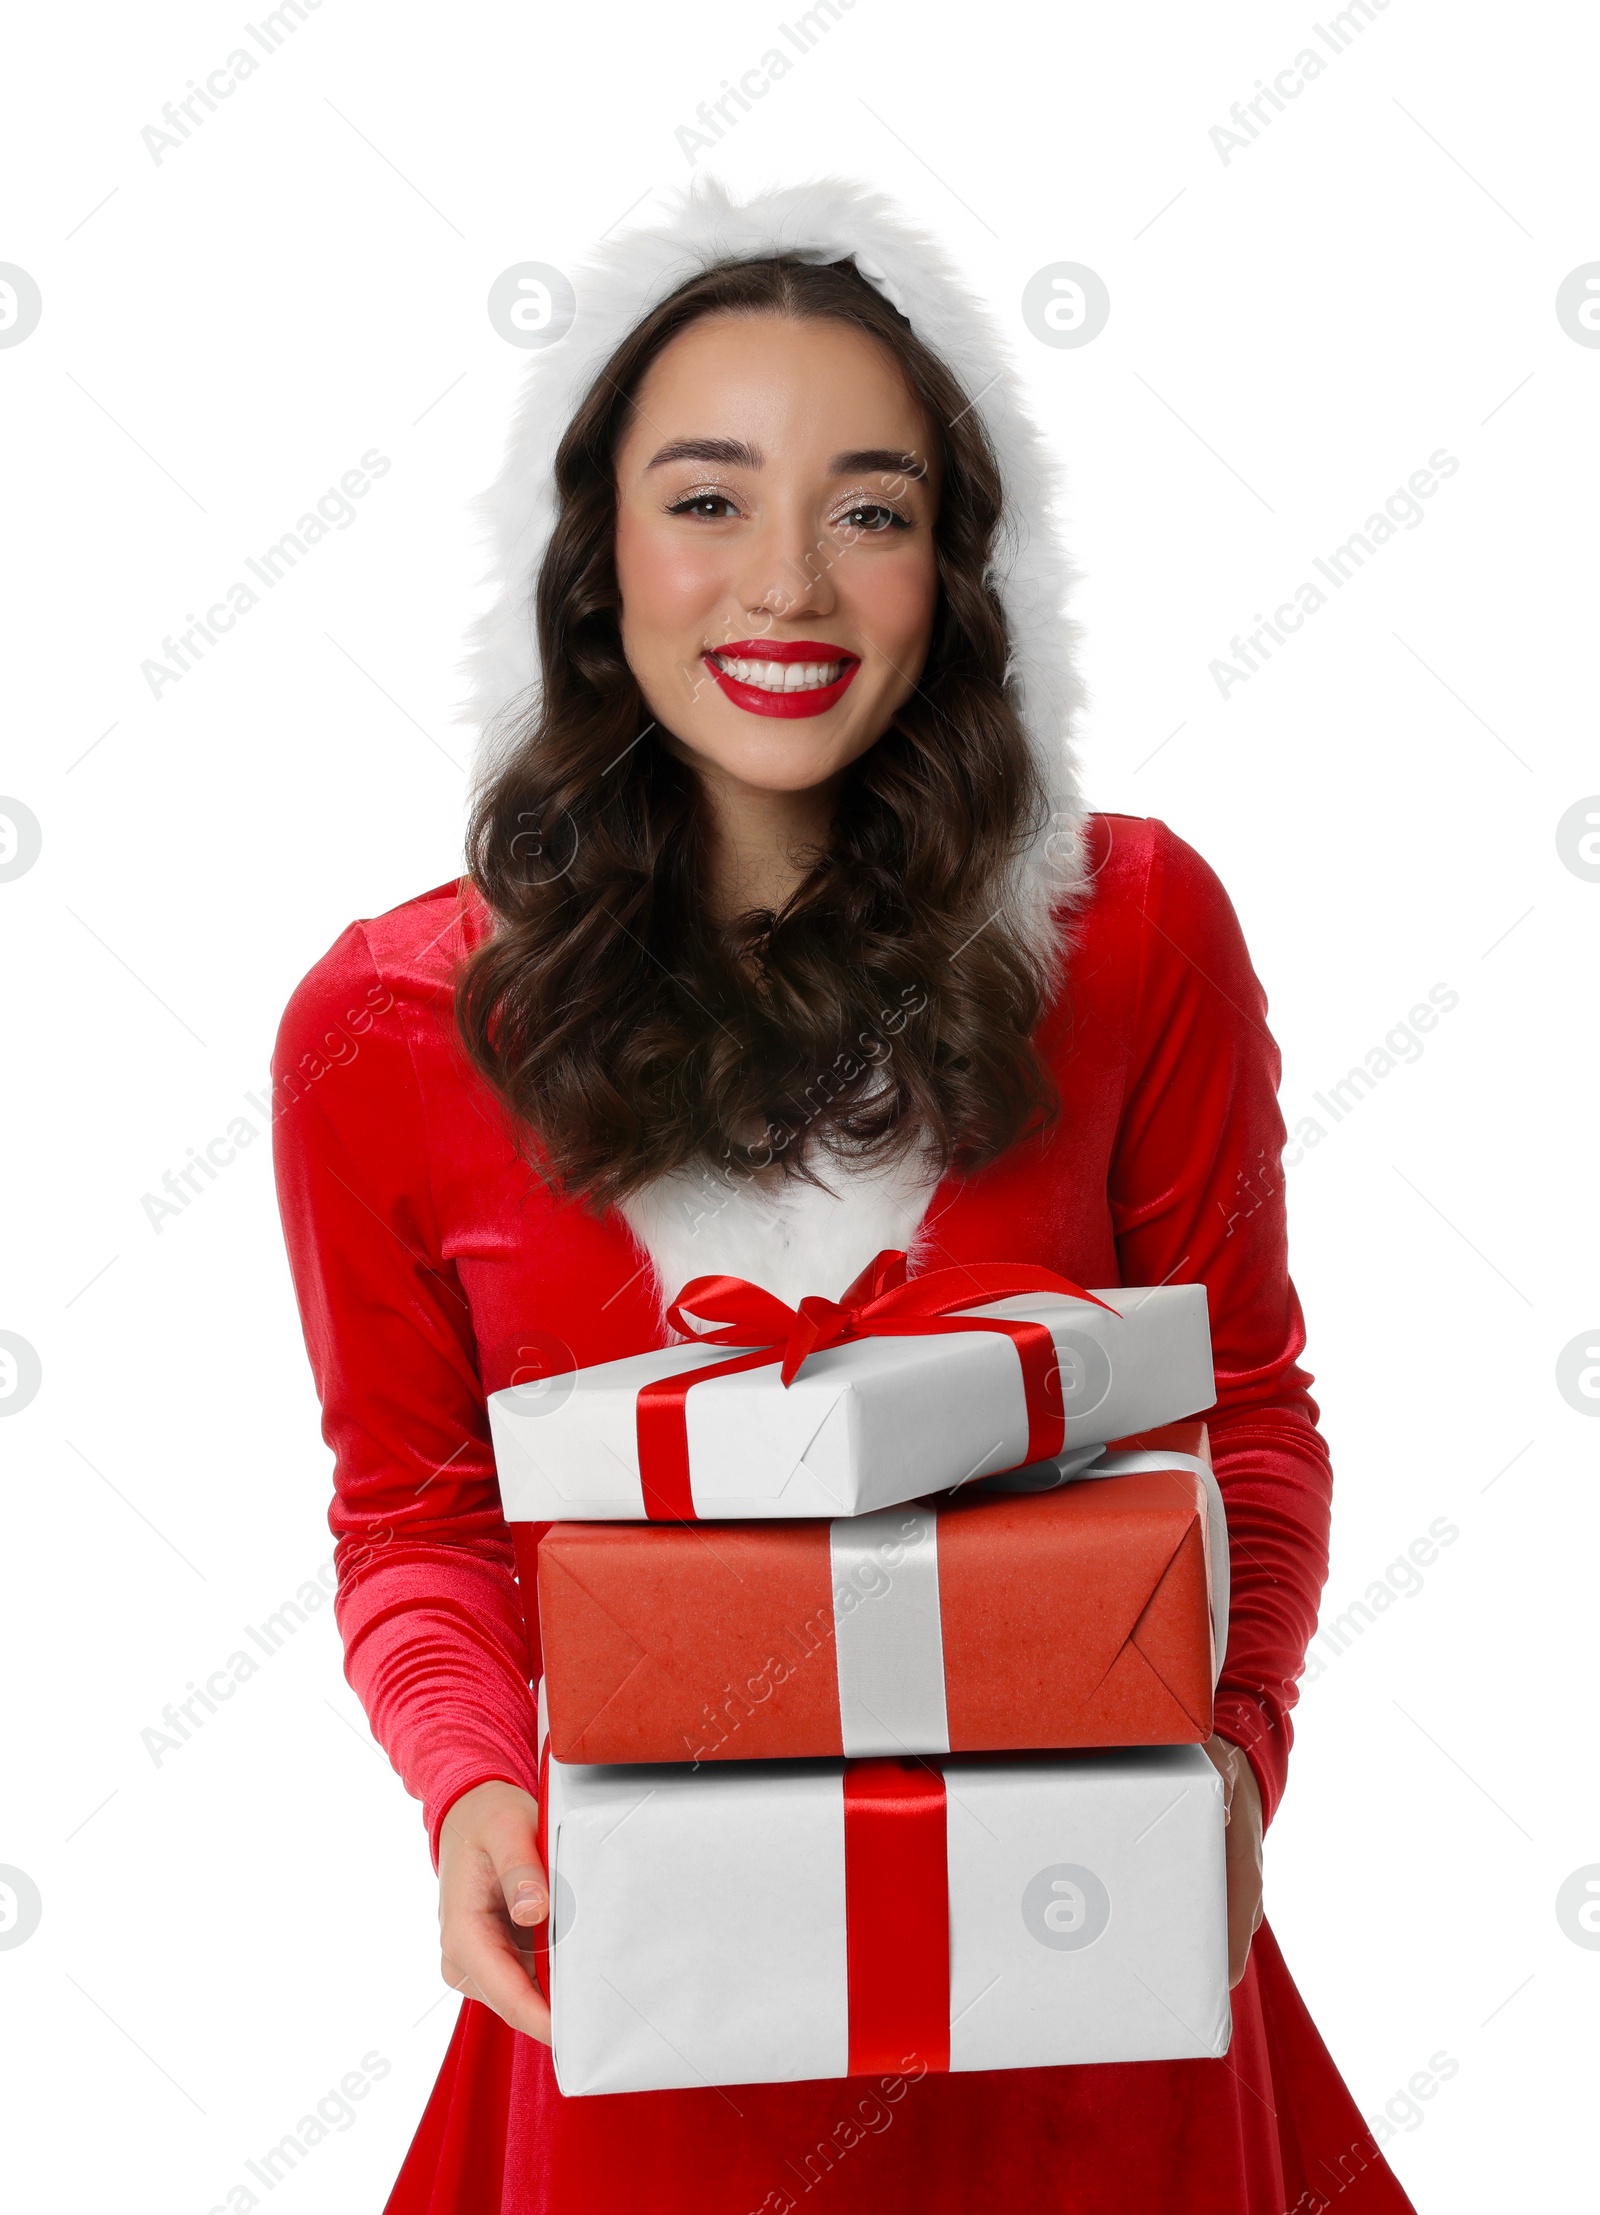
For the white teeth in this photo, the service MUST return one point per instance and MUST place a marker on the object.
(781, 676)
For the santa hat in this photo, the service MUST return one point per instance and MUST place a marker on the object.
(619, 283)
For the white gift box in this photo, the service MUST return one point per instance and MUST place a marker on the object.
(863, 1425)
(699, 1929)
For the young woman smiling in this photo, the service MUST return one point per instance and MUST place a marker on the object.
(785, 938)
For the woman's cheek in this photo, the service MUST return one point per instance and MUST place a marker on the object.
(668, 585)
(892, 596)
(670, 598)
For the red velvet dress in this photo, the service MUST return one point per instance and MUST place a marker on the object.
(430, 1264)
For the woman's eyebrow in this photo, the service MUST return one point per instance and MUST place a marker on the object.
(883, 458)
(732, 452)
(735, 453)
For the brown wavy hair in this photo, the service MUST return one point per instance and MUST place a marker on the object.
(883, 1005)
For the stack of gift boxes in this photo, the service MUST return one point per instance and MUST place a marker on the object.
(879, 1642)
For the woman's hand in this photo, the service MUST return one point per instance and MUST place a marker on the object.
(492, 1892)
(1241, 1801)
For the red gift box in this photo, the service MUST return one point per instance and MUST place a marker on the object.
(1079, 1616)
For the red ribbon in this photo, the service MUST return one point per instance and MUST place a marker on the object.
(883, 1302)
(897, 1916)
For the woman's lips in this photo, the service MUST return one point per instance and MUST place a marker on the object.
(783, 677)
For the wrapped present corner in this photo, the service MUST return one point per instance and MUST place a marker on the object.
(1087, 1612)
(769, 1922)
(907, 1385)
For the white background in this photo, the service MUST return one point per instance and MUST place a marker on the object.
(226, 1933)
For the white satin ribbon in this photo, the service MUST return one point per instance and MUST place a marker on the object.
(888, 1634)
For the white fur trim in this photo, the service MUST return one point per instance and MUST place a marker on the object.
(791, 1239)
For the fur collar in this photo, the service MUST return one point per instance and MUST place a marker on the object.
(791, 1239)
(813, 1242)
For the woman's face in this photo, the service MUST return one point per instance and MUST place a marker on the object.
(777, 488)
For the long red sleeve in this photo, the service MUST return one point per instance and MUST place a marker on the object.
(427, 1604)
(1196, 1192)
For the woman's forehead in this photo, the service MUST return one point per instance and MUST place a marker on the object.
(769, 383)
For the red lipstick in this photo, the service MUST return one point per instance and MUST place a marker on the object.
(768, 699)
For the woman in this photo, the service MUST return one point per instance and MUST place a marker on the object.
(786, 939)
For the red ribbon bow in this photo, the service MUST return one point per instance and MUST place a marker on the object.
(883, 1302)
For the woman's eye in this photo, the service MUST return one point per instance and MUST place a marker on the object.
(708, 504)
(872, 516)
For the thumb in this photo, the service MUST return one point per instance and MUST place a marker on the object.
(522, 1881)
(527, 1895)
(508, 1836)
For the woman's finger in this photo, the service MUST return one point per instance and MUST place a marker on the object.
(480, 1958)
(484, 1965)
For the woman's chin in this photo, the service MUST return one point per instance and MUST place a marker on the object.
(779, 759)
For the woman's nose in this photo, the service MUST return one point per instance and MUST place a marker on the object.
(788, 571)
